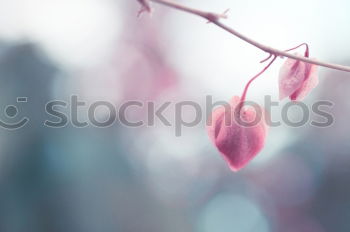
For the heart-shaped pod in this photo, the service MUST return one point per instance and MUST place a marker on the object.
(238, 132)
(297, 79)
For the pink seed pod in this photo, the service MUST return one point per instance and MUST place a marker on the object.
(297, 79)
(238, 132)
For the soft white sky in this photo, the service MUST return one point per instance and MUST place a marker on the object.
(75, 32)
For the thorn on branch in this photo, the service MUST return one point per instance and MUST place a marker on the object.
(145, 7)
(212, 17)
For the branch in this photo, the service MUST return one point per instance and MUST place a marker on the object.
(214, 18)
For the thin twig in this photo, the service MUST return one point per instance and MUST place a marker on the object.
(303, 44)
(266, 59)
(256, 76)
(214, 18)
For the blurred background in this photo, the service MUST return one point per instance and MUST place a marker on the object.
(147, 179)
